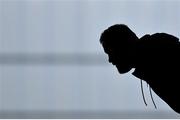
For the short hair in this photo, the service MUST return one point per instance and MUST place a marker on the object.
(118, 35)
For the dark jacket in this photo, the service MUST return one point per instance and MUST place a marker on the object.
(160, 66)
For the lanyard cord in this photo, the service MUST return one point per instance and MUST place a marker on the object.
(150, 95)
(143, 94)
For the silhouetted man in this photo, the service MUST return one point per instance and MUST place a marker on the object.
(154, 57)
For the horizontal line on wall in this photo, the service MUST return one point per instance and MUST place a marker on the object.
(53, 59)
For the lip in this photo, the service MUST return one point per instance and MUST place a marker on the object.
(113, 63)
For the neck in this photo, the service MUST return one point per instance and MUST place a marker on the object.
(135, 55)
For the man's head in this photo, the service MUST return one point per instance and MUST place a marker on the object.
(117, 42)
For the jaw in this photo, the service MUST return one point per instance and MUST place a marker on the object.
(123, 70)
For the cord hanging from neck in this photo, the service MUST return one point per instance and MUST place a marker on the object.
(143, 94)
(152, 98)
(150, 95)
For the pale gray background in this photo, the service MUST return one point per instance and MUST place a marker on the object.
(73, 27)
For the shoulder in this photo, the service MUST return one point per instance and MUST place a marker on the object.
(160, 38)
(165, 37)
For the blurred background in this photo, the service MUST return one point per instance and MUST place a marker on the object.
(53, 66)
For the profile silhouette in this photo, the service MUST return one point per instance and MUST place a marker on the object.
(155, 59)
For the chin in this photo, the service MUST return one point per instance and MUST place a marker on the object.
(123, 70)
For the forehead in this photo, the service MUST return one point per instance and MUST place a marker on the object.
(109, 48)
(114, 50)
(109, 45)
